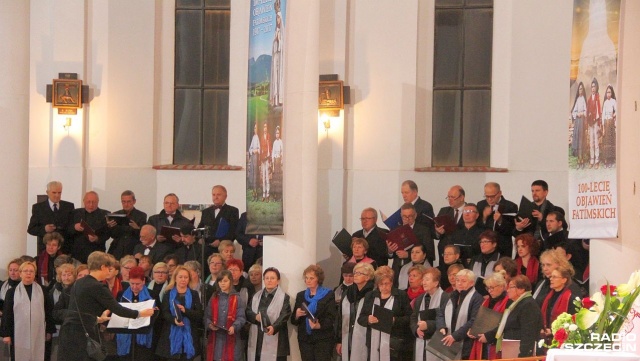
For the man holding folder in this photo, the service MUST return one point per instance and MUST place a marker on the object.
(221, 218)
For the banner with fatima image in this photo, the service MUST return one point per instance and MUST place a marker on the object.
(593, 195)
(265, 131)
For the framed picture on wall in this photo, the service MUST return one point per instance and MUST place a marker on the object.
(330, 95)
(67, 93)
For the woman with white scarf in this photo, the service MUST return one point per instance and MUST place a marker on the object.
(397, 344)
(423, 317)
(351, 336)
(270, 343)
(24, 320)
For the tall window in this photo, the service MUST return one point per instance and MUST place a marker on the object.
(201, 94)
(462, 82)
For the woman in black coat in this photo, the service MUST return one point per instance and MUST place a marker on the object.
(315, 337)
(187, 345)
(524, 319)
(397, 344)
(91, 300)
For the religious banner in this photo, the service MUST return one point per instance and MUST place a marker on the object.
(593, 195)
(265, 128)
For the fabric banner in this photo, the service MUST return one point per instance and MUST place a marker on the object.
(593, 195)
(265, 131)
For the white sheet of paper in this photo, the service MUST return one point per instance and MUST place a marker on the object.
(132, 323)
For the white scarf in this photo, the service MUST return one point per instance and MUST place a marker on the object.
(3, 290)
(463, 313)
(358, 337)
(383, 352)
(56, 297)
(269, 350)
(403, 275)
(421, 344)
(29, 323)
(152, 284)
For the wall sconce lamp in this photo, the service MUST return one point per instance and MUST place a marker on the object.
(67, 94)
(332, 96)
(67, 124)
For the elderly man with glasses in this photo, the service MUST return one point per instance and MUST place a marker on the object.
(374, 235)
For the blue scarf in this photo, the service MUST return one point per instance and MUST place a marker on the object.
(180, 336)
(312, 302)
(123, 340)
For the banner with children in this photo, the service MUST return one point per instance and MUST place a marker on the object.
(265, 132)
(593, 195)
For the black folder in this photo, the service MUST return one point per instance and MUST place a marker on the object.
(168, 232)
(385, 319)
(120, 218)
(264, 320)
(526, 208)
(178, 312)
(342, 240)
(310, 315)
(427, 315)
(436, 347)
(486, 320)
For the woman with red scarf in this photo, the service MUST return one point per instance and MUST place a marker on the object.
(224, 317)
(484, 344)
(415, 288)
(527, 261)
(46, 270)
(559, 300)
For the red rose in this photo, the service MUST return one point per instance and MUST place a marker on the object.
(612, 289)
(586, 303)
(561, 336)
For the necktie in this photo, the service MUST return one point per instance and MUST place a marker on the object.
(55, 207)
(455, 216)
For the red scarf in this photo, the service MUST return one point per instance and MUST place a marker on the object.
(414, 294)
(365, 260)
(117, 286)
(476, 350)
(449, 289)
(227, 353)
(533, 267)
(43, 265)
(561, 305)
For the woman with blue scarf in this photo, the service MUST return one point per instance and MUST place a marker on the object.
(137, 292)
(316, 330)
(179, 339)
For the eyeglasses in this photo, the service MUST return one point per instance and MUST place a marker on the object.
(489, 196)
(555, 277)
(408, 217)
(491, 288)
(510, 287)
(358, 274)
(367, 218)
(233, 270)
(160, 272)
(452, 198)
(466, 211)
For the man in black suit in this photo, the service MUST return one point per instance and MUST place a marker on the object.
(493, 207)
(125, 237)
(374, 235)
(251, 243)
(456, 199)
(149, 246)
(401, 256)
(190, 250)
(536, 224)
(84, 240)
(467, 235)
(212, 216)
(409, 191)
(52, 215)
(556, 229)
(170, 216)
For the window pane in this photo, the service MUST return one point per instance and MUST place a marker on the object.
(217, 3)
(476, 128)
(188, 60)
(446, 128)
(216, 126)
(447, 60)
(186, 127)
(479, 2)
(448, 3)
(216, 53)
(478, 44)
(188, 4)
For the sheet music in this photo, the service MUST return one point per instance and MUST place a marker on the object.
(132, 323)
